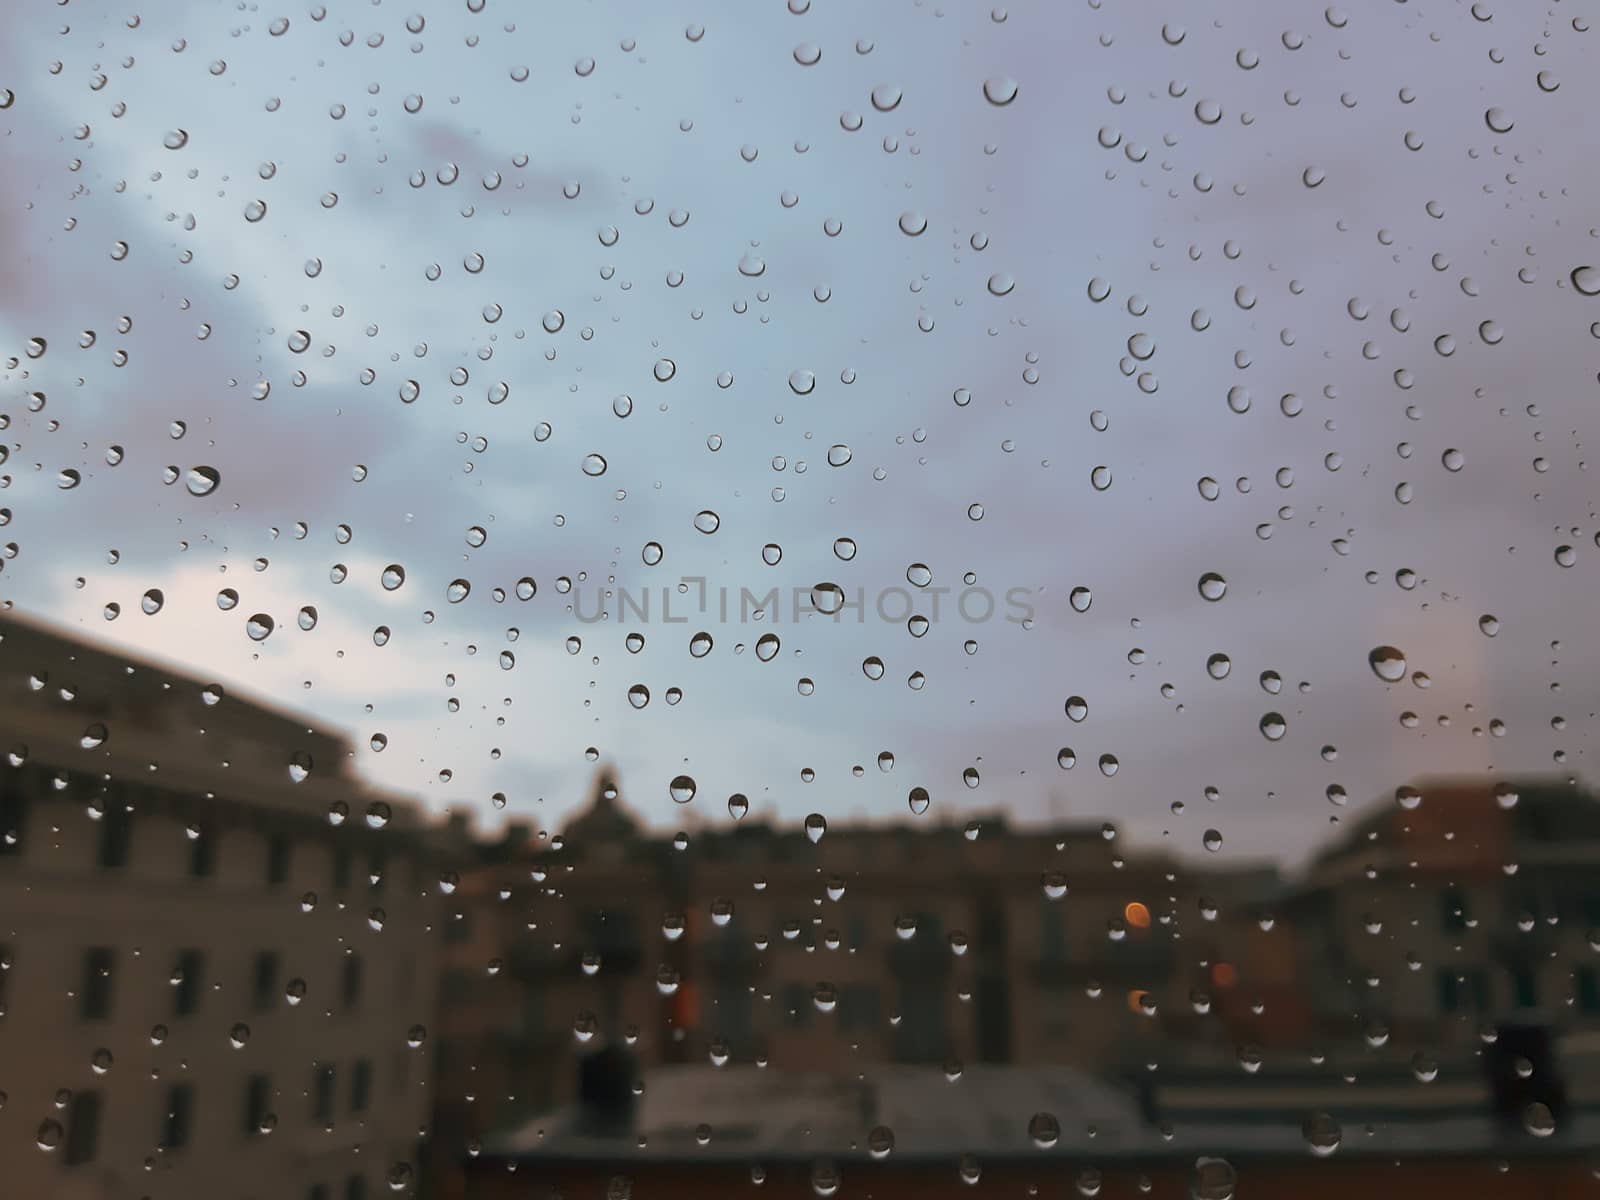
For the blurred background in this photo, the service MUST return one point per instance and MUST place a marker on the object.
(641, 600)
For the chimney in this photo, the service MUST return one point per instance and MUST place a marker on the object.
(517, 834)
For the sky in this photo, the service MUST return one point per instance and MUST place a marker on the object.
(915, 294)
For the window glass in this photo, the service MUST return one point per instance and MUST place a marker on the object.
(799, 597)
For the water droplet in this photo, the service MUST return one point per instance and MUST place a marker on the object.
(1213, 586)
(886, 97)
(50, 1134)
(1387, 663)
(913, 223)
(1000, 91)
(1212, 1179)
(1322, 1134)
(150, 603)
(1044, 1130)
(815, 827)
(259, 627)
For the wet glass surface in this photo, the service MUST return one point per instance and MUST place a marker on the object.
(798, 598)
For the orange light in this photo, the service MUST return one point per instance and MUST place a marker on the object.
(686, 1006)
(1136, 1000)
(1223, 975)
(1137, 915)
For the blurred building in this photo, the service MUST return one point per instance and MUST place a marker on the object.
(1453, 907)
(1418, 1003)
(930, 944)
(215, 942)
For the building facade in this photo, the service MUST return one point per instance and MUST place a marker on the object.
(218, 948)
(944, 946)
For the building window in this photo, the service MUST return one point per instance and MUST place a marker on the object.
(355, 1188)
(318, 1191)
(13, 818)
(857, 932)
(400, 1075)
(1052, 932)
(457, 929)
(98, 965)
(360, 1085)
(1453, 909)
(921, 1036)
(1525, 984)
(341, 870)
(266, 980)
(187, 982)
(858, 1008)
(257, 1096)
(83, 1128)
(180, 1117)
(350, 982)
(203, 855)
(1587, 986)
(279, 849)
(796, 1001)
(5, 978)
(322, 1092)
(1449, 986)
(1463, 991)
(116, 835)
(1478, 987)
(729, 1015)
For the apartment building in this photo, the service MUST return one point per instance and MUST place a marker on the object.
(218, 947)
(748, 943)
